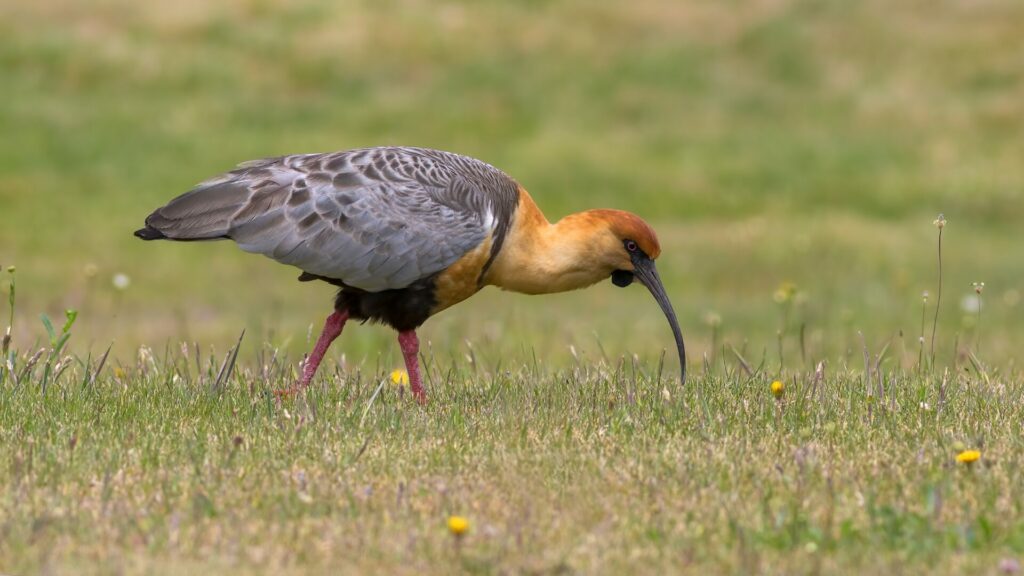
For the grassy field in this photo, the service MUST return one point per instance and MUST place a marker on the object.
(792, 156)
(157, 468)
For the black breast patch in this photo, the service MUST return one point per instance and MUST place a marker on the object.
(402, 309)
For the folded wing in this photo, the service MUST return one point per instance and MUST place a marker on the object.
(375, 219)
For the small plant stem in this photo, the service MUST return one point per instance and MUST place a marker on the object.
(803, 346)
(938, 301)
(778, 424)
(782, 362)
(714, 343)
(977, 330)
(920, 340)
(10, 322)
(5, 360)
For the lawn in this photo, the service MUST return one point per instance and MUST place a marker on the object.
(792, 156)
(601, 468)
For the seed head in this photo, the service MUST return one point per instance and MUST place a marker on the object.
(940, 222)
(121, 281)
(711, 318)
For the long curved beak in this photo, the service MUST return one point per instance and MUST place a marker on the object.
(647, 273)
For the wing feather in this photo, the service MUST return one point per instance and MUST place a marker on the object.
(375, 219)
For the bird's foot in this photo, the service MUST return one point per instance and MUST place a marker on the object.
(420, 396)
(332, 329)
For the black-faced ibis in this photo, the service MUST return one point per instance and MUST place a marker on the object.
(405, 233)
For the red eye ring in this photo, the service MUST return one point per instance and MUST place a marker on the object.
(630, 245)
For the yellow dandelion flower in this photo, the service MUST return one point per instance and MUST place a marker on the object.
(399, 377)
(778, 388)
(784, 293)
(458, 525)
(968, 456)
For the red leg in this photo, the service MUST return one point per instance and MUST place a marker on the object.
(410, 350)
(332, 329)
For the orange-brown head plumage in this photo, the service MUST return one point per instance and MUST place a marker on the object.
(629, 226)
(577, 251)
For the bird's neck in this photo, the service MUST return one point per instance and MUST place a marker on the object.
(540, 257)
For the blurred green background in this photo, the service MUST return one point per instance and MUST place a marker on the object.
(768, 141)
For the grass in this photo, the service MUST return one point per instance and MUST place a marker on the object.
(602, 468)
(800, 146)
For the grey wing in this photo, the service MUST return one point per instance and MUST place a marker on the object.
(376, 219)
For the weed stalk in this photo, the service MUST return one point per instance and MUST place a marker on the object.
(940, 223)
(7, 362)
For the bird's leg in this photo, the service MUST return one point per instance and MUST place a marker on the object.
(410, 351)
(332, 329)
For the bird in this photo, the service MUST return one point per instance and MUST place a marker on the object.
(405, 233)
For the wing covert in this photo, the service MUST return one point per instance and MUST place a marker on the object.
(375, 219)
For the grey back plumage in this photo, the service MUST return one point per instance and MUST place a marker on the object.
(373, 218)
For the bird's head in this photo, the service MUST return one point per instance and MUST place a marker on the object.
(580, 250)
(622, 240)
(628, 246)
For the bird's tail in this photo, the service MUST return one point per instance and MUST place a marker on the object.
(204, 213)
(149, 233)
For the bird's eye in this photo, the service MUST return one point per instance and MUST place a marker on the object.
(630, 246)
